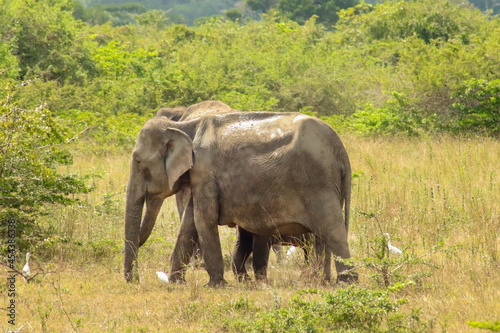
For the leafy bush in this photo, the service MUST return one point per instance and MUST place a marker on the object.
(234, 14)
(397, 116)
(30, 151)
(9, 66)
(104, 133)
(478, 107)
(426, 19)
(410, 53)
(350, 309)
(46, 39)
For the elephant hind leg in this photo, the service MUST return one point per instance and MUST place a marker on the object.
(331, 238)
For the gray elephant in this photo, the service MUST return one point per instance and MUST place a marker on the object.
(246, 243)
(270, 173)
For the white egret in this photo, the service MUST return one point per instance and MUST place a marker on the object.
(162, 276)
(26, 268)
(291, 251)
(392, 249)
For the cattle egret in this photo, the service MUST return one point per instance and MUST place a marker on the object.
(392, 249)
(162, 276)
(26, 268)
(291, 251)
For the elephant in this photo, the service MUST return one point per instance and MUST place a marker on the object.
(246, 242)
(269, 173)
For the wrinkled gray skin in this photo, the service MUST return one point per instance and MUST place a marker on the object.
(270, 173)
(246, 242)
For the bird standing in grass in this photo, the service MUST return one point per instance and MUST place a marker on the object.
(26, 268)
(392, 248)
(162, 276)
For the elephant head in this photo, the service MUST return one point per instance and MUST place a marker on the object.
(178, 114)
(162, 155)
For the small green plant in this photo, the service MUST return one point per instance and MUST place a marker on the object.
(490, 326)
(388, 267)
(104, 248)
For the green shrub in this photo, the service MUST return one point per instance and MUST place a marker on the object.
(478, 107)
(9, 67)
(397, 116)
(47, 41)
(105, 133)
(105, 248)
(30, 151)
(397, 67)
(426, 19)
(346, 310)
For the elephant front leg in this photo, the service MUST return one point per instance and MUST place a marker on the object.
(186, 244)
(206, 217)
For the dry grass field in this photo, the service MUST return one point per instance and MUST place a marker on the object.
(439, 199)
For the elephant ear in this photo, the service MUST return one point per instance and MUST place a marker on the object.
(178, 155)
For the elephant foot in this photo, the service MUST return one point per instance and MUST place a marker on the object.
(131, 277)
(243, 277)
(219, 283)
(347, 277)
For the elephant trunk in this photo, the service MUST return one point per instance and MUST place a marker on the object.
(153, 207)
(133, 214)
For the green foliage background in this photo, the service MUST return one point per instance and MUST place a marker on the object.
(397, 67)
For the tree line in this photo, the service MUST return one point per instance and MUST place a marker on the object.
(197, 11)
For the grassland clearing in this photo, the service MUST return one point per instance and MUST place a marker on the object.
(439, 199)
